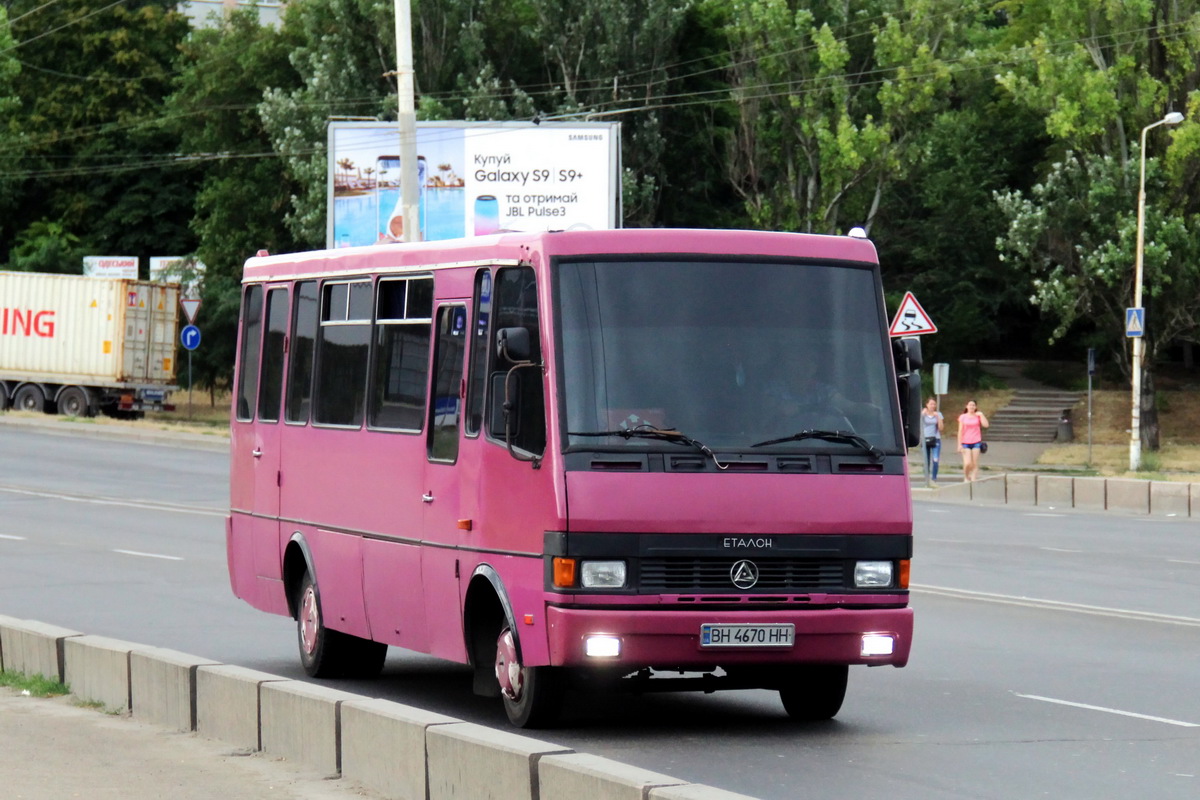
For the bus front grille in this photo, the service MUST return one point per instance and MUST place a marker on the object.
(685, 574)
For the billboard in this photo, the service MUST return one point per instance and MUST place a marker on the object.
(474, 178)
(184, 270)
(110, 267)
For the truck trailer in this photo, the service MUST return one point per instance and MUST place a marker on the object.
(80, 346)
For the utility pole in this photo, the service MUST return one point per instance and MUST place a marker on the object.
(407, 118)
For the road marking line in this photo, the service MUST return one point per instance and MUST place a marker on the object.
(148, 555)
(104, 501)
(1033, 514)
(1181, 561)
(1056, 605)
(1059, 550)
(14, 538)
(1106, 710)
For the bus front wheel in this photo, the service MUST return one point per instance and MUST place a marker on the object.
(532, 696)
(815, 692)
(325, 653)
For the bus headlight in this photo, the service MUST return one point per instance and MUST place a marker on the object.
(873, 574)
(602, 574)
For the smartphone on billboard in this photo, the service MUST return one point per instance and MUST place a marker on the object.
(487, 214)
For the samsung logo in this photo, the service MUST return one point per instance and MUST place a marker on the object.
(585, 137)
(759, 543)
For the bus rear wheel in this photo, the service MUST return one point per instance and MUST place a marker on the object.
(325, 653)
(814, 692)
(532, 696)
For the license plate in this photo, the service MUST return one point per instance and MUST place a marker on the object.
(716, 634)
(154, 395)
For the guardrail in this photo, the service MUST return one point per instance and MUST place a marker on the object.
(397, 751)
(1131, 495)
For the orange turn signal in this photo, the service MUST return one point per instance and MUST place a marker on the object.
(564, 572)
(902, 579)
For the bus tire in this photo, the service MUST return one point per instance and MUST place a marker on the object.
(532, 696)
(331, 654)
(815, 691)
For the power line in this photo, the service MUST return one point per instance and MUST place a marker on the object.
(735, 93)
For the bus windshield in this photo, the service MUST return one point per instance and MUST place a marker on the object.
(730, 354)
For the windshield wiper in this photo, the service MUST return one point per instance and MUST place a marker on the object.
(844, 437)
(651, 432)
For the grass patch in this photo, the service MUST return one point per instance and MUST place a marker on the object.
(36, 685)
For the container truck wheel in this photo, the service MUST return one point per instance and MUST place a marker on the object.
(332, 654)
(815, 691)
(74, 402)
(532, 696)
(29, 398)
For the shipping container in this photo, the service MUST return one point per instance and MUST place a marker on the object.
(80, 345)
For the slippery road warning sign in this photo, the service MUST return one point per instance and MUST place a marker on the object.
(911, 319)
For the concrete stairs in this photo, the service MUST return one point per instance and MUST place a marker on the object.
(1032, 416)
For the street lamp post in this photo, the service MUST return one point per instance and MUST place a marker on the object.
(1139, 346)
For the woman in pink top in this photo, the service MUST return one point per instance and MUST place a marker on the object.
(970, 435)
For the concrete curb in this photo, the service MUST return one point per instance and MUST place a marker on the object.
(391, 749)
(58, 426)
(1124, 495)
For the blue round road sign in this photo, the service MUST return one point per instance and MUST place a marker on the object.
(189, 337)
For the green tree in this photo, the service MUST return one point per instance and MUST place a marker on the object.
(610, 59)
(1098, 74)
(85, 145)
(245, 189)
(344, 52)
(46, 246)
(830, 99)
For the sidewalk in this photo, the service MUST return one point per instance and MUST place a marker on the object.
(1000, 457)
(51, 749)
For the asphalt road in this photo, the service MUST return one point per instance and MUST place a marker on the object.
(1055, 655)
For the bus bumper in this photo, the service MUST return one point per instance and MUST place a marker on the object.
(672, 639)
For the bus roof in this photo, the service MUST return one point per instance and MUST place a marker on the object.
(517, 247)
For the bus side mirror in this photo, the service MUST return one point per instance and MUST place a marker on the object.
(910, 407)
(907, 351)
(512, 344)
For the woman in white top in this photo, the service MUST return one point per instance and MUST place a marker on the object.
(932, 424)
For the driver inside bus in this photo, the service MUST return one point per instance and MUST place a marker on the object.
(801, 396)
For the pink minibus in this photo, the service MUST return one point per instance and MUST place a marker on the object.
(624, 459)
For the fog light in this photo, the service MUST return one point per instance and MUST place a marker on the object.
(874, 644)
(873, 574)
(602, 646)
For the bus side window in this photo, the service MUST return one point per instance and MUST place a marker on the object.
(271, 382)
(300, 365)
(516, 307)
(477, 381)
(447, 380)
(343, 340)
(252, 302)
(400, 358)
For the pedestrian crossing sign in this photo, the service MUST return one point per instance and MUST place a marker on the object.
(1135, 322)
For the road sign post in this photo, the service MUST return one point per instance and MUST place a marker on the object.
(189, 337)
(911, 319)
